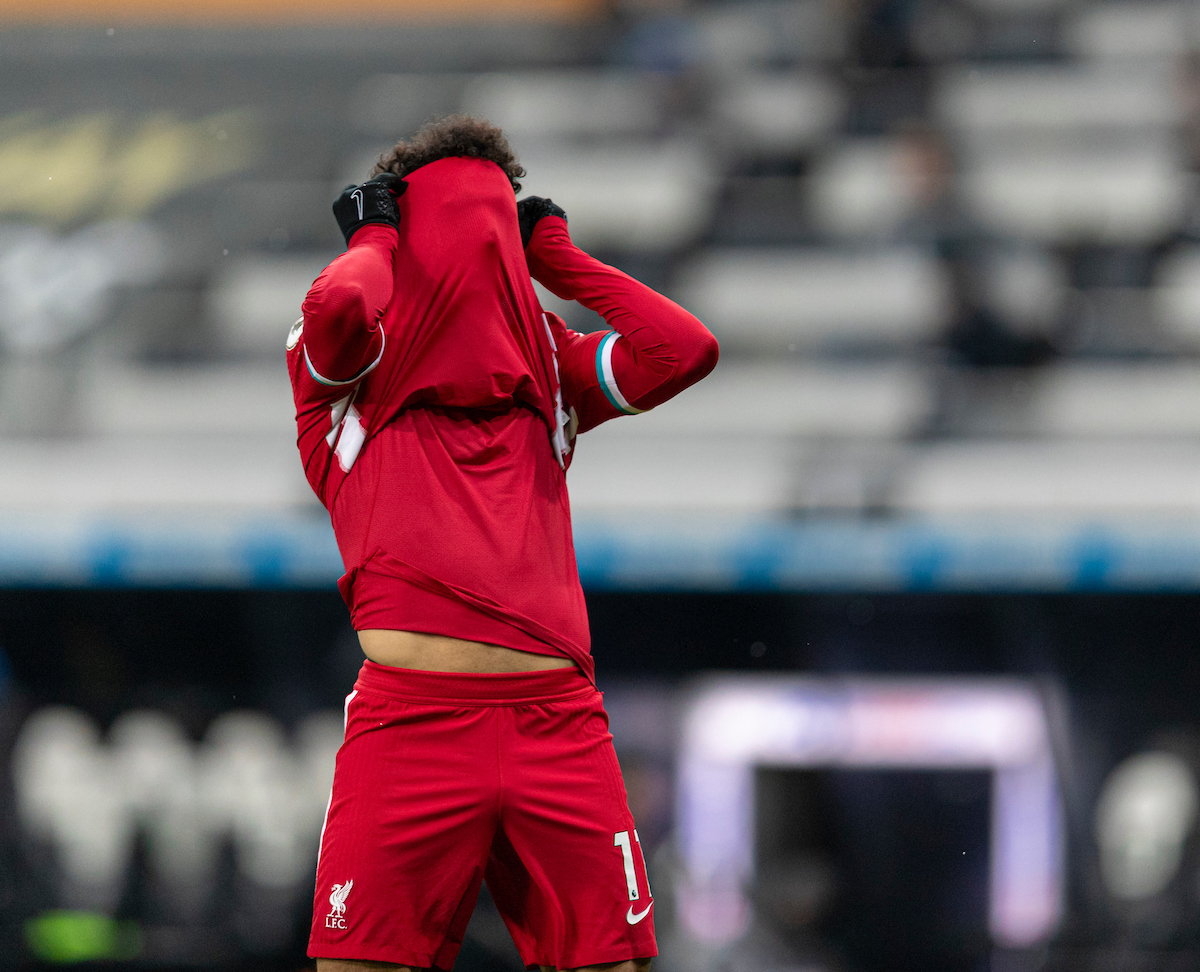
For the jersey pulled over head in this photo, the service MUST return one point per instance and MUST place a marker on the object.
(464, 327)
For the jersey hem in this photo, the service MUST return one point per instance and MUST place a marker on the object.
(385, 592)
(381, 601)
(368, 953)
(587, 958)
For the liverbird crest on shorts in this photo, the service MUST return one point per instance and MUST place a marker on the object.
(337, 899)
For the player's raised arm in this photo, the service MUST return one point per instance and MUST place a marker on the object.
(656, 348)
(342, 336)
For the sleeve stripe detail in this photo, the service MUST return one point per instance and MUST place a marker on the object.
(606, 377)
(349, 381)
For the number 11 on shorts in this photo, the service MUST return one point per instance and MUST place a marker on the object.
(621, 839)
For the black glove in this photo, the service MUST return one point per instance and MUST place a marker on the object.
(372, 202)
(530, 210)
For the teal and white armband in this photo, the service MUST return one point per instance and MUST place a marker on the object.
(606, 377)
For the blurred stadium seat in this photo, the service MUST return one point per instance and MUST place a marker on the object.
(222, 400)
(819, 401)
(731, 474)
(1177, 295)
(1137, 400)
(569, 104)
(1110, 477)
(761, 32)
(1131, 193)
(858, 188)
(1131, 30)
(1055, 102)
(166, 471)
(815, 298)
(254, 300)
(642, 198)
(777, 113)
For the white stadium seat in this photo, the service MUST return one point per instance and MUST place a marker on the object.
(816, 297)
(254, 301)
(1129, 194)
(130, 473)
(642, 197)
(731, 473)
(1131, 30)
(565, 103)
(1159, 399)
(1064, 153)
(778, 112)
(1051, 477)
(810, 400)
(240, 399)
(760, 32)
(859, 188)
(1052, 101)
(1177, 295)
(1026, 285)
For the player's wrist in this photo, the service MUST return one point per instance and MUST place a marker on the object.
(546, 245)
(550, 228)
(375, 233)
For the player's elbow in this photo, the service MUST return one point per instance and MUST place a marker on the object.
(701, 356)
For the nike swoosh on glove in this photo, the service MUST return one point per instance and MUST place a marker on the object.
(373, 201)
(530, 210)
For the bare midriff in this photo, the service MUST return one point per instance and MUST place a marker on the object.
(438, 653)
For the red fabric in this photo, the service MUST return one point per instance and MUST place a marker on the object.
(443, 466)
(350, 303)
(453, 509)
(450, 293)
(441, 773)
(663, 349)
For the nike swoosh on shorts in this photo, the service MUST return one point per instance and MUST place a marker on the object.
(634, 919)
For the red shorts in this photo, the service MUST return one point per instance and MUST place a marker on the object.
(447, 779)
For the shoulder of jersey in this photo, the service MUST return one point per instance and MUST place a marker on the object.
(293, 337)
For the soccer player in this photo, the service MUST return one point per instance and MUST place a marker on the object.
(438, 407)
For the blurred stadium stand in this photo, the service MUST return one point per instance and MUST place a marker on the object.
(948, 248)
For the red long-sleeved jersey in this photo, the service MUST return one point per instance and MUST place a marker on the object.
(437, 406)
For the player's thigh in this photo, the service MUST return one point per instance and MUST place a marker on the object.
(350, 965)
(410, 821)
(567, 871)
(635, 965)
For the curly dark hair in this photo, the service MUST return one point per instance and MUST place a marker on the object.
(449, 137)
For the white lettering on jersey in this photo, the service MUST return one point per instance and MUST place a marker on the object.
(564, 430)
(347, 432)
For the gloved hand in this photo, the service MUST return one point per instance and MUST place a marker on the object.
(530, 210)
(373, 201)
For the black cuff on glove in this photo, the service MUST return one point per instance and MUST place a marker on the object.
(530, 210)
(372, 202)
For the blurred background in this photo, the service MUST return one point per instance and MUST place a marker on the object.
(896, 613)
